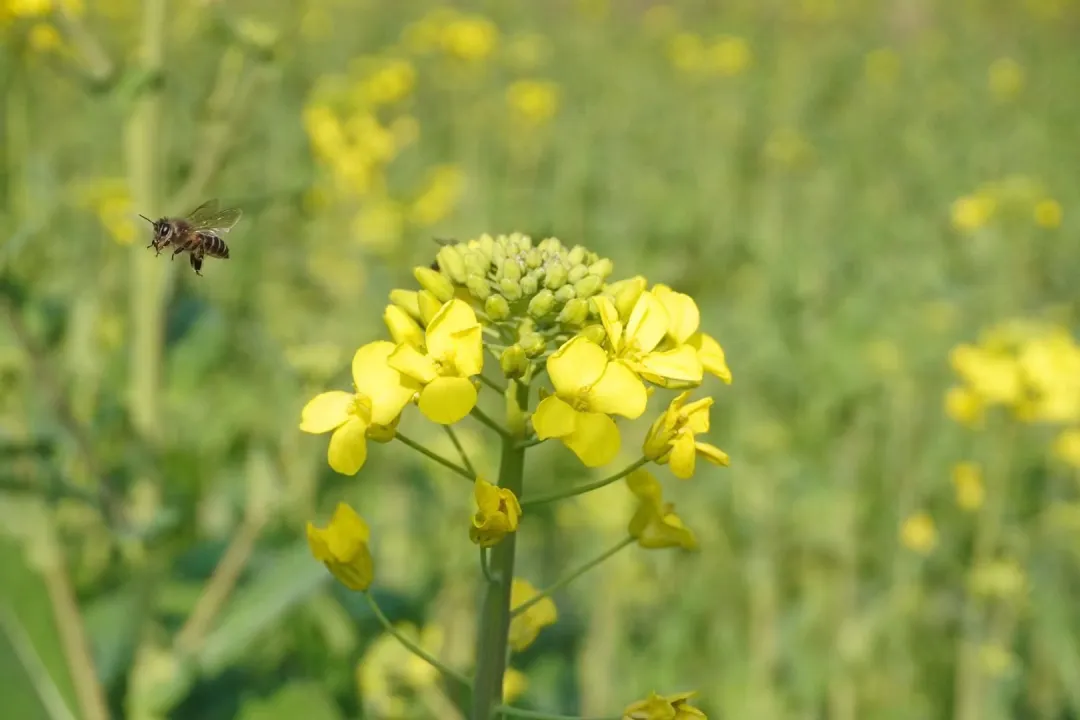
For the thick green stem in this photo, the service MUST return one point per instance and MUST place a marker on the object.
(494, 621)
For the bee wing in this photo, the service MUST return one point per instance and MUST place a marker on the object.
(445, 241)
(208, 218)
(207, 209)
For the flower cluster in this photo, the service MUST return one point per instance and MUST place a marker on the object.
(508, 315)
(1014, 196)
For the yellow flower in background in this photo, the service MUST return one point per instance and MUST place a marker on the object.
(672, 438)
(1050, 367)
(964, 406)
(371, 138)
(470, 38)
(655, 525)
(390, 83)
(968, 484)
(686, 51)
(1048, 214)
(729, 56)
(1006, 78)
(43, 37)
(325, 131)
(993, 376)
(379, 225)
(497, 514)
(29, 8)
(918, 533)
(515, 683)
(1003, 579)
(524, 628)
(453, 354)
(444, 187)
(995, 659)
(343, 547)
(882, 66)
(972, 212)
(588, 388)
(637, 345)
(1067, 447)
(661, 707)
(534, 101)
(388, 669)
(370, 412)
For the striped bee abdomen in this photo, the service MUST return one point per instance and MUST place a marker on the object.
(215, 246)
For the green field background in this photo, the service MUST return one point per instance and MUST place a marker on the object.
(848, 189)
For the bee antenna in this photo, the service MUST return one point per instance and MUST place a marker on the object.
(146, 219)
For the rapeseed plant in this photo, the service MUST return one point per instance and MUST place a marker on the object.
(568, 350)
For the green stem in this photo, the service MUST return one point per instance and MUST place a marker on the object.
(492, 384)
(486, 420)
(580, 490)
(494, 621)
(436, 457)
(536, 715)
(530, 442)
(411, 646)
(461, 449)
(571, 577)
(485, 565)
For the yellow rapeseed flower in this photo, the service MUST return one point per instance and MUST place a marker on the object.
(918, 533)
(1067, 447)
(453, 353)
(445, 186)
(655, 525)
(1050, 367)
(380, 224)
(470, 38)
(672, 438)
(637, 345)
(972, 212)
(497, 514)
(994, 376)
(533, 101)
(390, 83)
(729, 56)
(664, 707)
(43, 37)
(525, 627)
(964, 406)
(1048, 214)
(968, 484)
(515, 683)
(683, 321)
(370, 412)
(588, 388)
(343, 548)
(29, 8)
(1006, 78)
(686, 52)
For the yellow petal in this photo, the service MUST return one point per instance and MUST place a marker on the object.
(609, 316)
(682, 456)
(648, 323)
(316, 538)
(711, 355)
(645, 486)
(446, 400)
(348, 447)
(681, 364)
(487, 496)
(326, 411)
(469, 351)
(553, 418)
(683, 314)
(595, 439)
(697, 415)
(618, 391)
(576, 365)
(347, 523)
(713, 454)
(412, 363)
(403, 328)
(452, 317)
(384, 386)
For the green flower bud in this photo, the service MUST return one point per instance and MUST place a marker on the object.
(452, 262)
(513, 361)
(515, 414)
(625, 293)
(565, 294)
(575, 312)
(478, 287)
(542, 303)
(510, 270)
(498, 254)
(588, 286)
(434, 282)
(477, 262)
(533, 343)
(511, 289)
(577, 255)
(407, 301)
(556, 277)
(576, 273)
(602, 268)
(429, 305)
(529, 286)
(497, 308)
(485, 244)
(595, 333)
(534, 259)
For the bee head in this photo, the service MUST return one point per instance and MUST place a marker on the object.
(163, 230)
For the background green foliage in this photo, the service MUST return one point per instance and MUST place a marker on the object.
(848, 189)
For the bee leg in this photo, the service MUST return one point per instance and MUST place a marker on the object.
(196, 263)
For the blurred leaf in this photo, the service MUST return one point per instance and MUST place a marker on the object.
(298, 700)
(112, 633)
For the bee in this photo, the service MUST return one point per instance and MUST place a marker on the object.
(199, 233)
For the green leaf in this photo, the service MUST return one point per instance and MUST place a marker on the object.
(299, 700)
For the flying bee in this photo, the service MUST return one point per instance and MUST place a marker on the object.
(199, 233)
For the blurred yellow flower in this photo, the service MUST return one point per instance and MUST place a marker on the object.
(918, 533)
(525, 627)
(661, 707)
(1048, 214)
(686, 51)
(387, 665)
(534, 101)
(994, 376)
(445, 186)
(999, 578)
(117, 215)
(496, 516)
(882, 66)
(343, 548)
(471, 38)
(379, 225)
(325, 131)
(44, 37)
(971, 212)
(390, 83)
(1050, 366)
(995, 659)
(1067, 447)
(1006, 78)
(29, 8)
(515, 683)
(370, 137)
(729, 56)
(968, 484)
(655, 525)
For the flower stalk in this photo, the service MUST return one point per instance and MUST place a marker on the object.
(571, 576)
(582, 489)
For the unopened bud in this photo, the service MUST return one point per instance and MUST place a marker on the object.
(429, 306)
(587, 286)
(576, 273)
(577, 255)
(513, 361)
(510, 270)
(510, 288)
(575, 312)
(477, 262)
(534, 258)
(452, 262)
(407, 301)
(542, 303)
(533, 343)
(565, 294)
(434, 282)
(602, 268)
(497, 308)
(625, 294)
(529, 285)
(478, 286)
(403, 329)
(556, 277)
(595, 333)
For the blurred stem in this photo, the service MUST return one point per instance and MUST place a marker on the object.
(537, 715)
(436, 457)
(491, 383)
(149, 279)
(494, 620)
(461, 449)
(571, 577)
(44, 685)
(411, 646)
(219, 588)
(97, 67)
(562, 494)
(486, 420)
